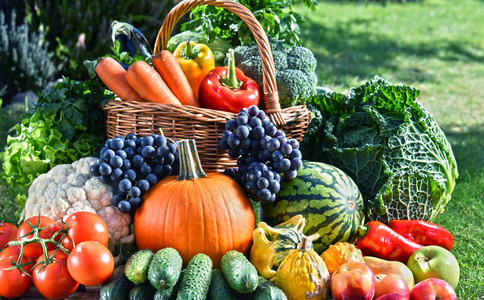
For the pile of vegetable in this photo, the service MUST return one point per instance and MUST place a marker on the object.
(346, 213)
(65, 125)
(389, 144)
(54, 257)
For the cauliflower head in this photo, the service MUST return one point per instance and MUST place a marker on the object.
(69, 188)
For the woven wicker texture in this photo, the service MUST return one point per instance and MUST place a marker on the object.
(204, 125)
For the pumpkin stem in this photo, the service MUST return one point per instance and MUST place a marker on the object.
(190, 165)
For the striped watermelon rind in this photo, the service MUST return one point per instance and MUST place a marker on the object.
(326, 197)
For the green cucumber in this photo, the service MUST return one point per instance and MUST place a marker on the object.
(144, 291)
(266, 290)
(117, 287)
(136, 268)
(170, 294)
(165, 268)
(196, 282)
(240, 273)
(220, 288)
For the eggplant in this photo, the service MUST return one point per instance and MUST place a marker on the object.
(130, 39)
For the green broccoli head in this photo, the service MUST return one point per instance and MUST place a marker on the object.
(295, 70)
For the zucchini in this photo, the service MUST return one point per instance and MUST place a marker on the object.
(117, 287)
(266, 290)
(136, 268)
(170, 294)
(196, 282)
(239, 272)
(143, 291)
(165, 268)
(220, 288)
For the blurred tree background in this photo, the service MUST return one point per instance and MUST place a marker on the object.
(68, 32)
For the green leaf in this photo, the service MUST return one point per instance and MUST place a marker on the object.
(382, 137)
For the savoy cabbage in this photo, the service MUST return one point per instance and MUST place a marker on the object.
(382, 137)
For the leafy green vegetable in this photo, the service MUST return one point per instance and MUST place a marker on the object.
(277, 19)
(66, 124)
(382, 137)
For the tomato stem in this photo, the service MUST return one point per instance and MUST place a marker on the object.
(37, 239)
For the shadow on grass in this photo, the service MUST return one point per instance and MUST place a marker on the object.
(468, 148)
(346, 50)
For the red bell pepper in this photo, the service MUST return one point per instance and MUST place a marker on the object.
(379, 240)
(423, 232)
(228, 89)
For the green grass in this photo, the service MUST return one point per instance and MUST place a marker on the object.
(437, 46)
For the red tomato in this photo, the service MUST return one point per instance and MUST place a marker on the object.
(90, 263)
(14, 283)
(87, 226)
(11, 251)
(49, 228)
(54, 281)
(8, 232)
(67, 243)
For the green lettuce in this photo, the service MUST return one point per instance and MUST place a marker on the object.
(66, 124)
(389, 144)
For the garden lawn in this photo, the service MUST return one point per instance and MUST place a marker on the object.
(437, 46)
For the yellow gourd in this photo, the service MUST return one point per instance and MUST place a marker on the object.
(272, 244)
(302, 275)
(340, 253)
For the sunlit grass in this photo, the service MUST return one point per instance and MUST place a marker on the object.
(437, 46)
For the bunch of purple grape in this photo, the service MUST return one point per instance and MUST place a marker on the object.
(264, 154)
(133, 164)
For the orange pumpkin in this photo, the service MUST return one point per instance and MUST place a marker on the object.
(195, 212)
(340, 253)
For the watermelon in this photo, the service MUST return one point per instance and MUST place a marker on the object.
(328, 199)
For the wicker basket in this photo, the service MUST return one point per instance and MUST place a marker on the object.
(205, 125)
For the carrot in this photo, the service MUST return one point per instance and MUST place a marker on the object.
(113, 75)
(166, 65)
(149, 84)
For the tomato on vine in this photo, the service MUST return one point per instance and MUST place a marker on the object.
(46, 229)
(53, 280)
(90, 263)
(14, 279)
(11, 251)
(8, 232)
(87, 226)
(67, 243)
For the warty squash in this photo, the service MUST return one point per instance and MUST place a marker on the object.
(272, 244)
(303, 275)
(195, 212)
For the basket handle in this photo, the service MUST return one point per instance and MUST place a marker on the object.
(269, 86)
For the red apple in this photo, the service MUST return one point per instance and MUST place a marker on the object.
(393, 296)
(432, 289)
(391, 283)
(353, 280)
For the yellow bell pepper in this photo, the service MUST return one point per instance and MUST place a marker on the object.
(196, 60)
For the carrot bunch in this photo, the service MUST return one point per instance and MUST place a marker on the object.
(164, 83)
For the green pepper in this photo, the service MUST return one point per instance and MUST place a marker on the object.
(218, 46)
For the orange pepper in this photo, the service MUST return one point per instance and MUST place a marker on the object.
(196, 60)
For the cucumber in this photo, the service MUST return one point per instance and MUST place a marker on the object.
(165, 268)
(170, 294)
(267, 290)
(117, 287)
(196, 282)
(240, 273)
(143, 291)
(136, 268)
(220, 288)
